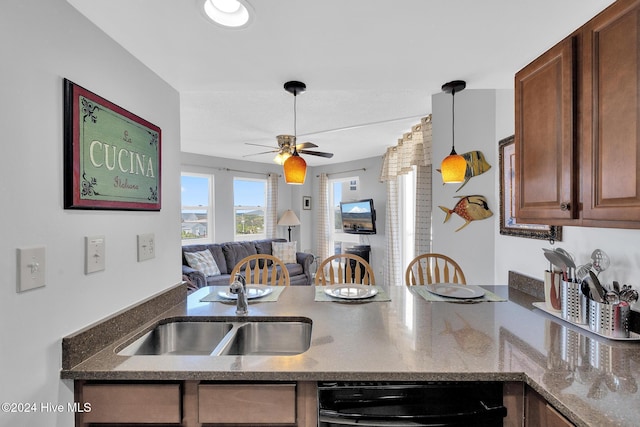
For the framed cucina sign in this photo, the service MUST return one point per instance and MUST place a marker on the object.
(111, 156)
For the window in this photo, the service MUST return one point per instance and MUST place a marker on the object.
(406, 215)
(344, 189)
(249, 208)
(197, 208)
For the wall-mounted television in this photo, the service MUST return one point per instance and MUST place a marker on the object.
(358, 217)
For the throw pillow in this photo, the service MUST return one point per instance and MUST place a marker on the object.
(203, 261)
(286, 251)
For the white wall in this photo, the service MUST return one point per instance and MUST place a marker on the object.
(370, 187)
(475, 129)
(42, 42)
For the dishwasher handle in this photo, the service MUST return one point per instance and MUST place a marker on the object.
(487, 415)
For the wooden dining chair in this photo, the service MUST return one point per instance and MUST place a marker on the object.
(344, 268)
(262, 269)
(432, 268)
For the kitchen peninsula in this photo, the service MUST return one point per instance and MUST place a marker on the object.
(588, 379)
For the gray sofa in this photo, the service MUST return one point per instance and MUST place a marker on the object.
(228, 254)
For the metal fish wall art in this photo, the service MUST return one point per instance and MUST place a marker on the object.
(476, 165)
(469, 208)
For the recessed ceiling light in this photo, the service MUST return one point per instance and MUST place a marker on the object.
(229, 13)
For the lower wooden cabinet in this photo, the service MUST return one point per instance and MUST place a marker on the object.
(131, 403)
(196, 404)
(247, 403)
(538, 412)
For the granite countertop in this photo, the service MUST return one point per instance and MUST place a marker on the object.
(590, 379)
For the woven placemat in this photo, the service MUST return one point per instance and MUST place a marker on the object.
(272, 297)
(424, 293)
(321, 296)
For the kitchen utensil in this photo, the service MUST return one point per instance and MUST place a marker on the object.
(594, 294)
(616, 287)
(599, 289)
(567, 260)
(552, 290)
(611, 298)
(555, 258)
(600, 260)
(583, 271)
(565, 253)
(629, 295)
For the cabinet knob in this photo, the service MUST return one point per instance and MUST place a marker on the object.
(565, 206)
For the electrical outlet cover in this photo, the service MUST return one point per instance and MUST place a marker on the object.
(146, 246)
(31, 268)
(94, 254)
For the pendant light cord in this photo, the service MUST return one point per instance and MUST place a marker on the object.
(295, 120)
(453, 122)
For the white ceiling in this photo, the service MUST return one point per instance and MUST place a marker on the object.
(364, 61)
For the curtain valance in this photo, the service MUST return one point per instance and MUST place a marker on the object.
(414, 148)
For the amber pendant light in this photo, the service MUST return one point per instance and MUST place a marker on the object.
(295, 168)
(454, 166)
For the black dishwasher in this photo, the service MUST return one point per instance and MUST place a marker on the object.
(438, 403)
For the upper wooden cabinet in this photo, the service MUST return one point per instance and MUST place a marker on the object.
(610, 125)
(577, 128)
(544, 135)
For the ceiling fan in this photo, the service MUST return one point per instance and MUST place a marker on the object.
(287, 143)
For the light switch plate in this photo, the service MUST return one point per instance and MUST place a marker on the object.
(31, 268)
(146, 246)
(94, 249)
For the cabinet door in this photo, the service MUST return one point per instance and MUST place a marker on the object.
(539, 413)
(129, 403)
(247, 403)
(545, 137)
(610, 123)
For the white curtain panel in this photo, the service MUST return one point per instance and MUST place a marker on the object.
(392, 272)
(424, 205)
(413, 149)
(271, 214)
(422, 242)
(323, 212)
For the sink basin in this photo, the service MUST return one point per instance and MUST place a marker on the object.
(268, 338)
(275, 337)
(179, 338)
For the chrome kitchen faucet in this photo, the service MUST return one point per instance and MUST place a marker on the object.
(239, 287)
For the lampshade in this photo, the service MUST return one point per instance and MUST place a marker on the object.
(453, 167)
(295, 169)
(289, 218)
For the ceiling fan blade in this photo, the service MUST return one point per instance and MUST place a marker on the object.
(316, 153)
(304, 145)
(261, 145)
(340, 129)
(263, 152)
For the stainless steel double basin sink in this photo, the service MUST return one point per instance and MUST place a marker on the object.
(224, 337)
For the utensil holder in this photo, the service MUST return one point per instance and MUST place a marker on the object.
(574, 304)
(552, 285)
(610, 320)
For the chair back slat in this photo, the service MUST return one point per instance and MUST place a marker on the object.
(344, 268)
(437, 268)
(267, 270)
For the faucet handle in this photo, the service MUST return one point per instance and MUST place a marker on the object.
(240, 278)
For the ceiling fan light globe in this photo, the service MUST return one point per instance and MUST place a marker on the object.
(295, 170)
(453, 168)
(280, 158)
